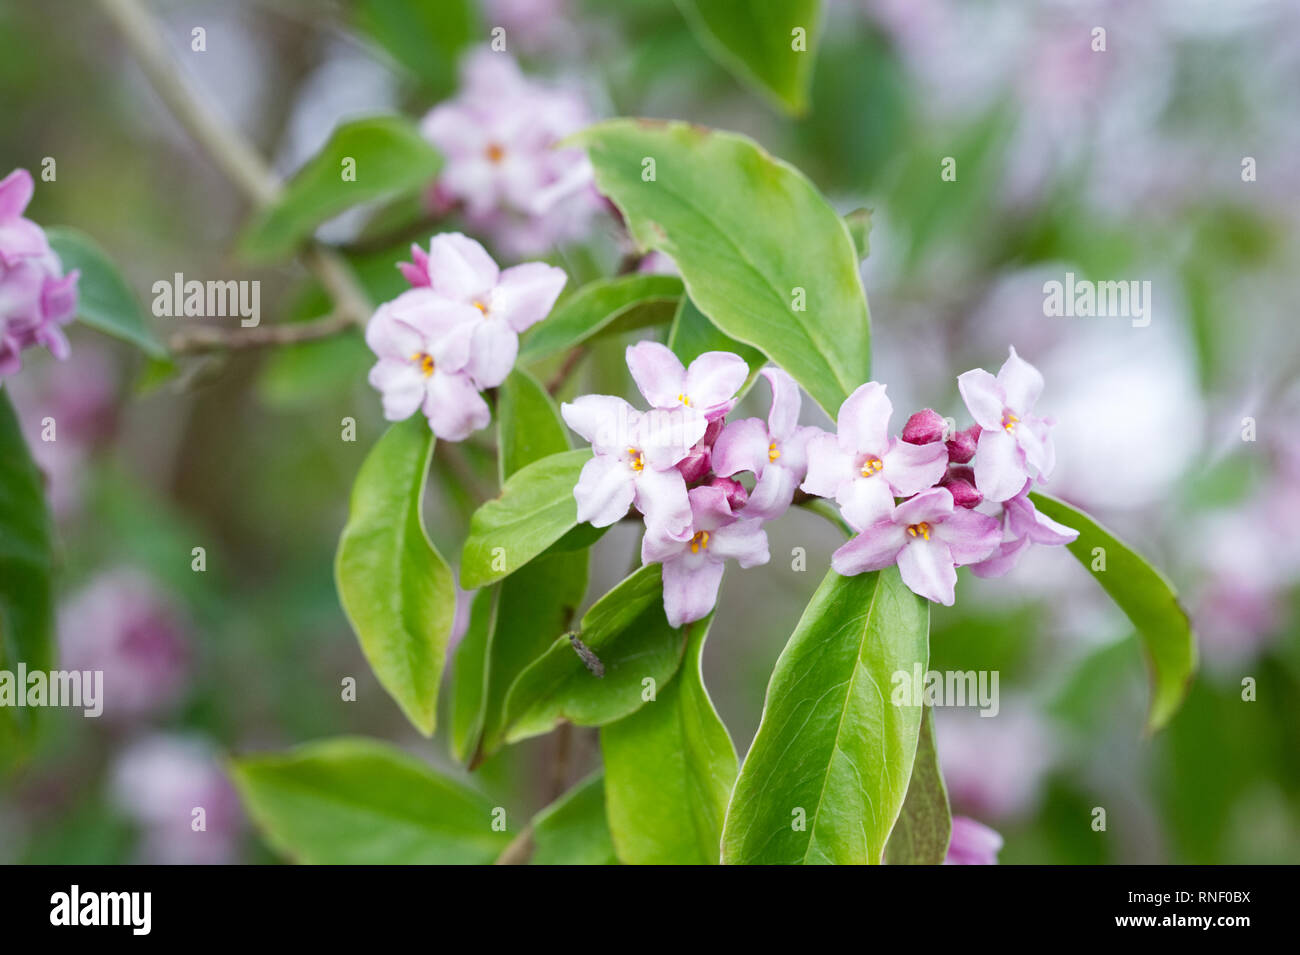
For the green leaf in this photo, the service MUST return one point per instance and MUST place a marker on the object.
(535, 509)
(827, 773)
(424, 36)
(468, 678)
(669, 769)
(756, 42)
(1146, 597)
(355, 801)
(628, 632)
(859, 223)
(692, 334)
(601, 308)
(26, 570)
(573, 829)
(529, 426)
(390, 157)
(104, 301)
(726, 211)
(924, 827)
(396, 589)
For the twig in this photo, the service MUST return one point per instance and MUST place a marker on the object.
(560, 377)
(520, 849)
(215, 338)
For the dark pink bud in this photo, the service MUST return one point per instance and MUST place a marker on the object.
(737, 496)
(960, 483)
(713, 430)
(924, 427)
(416, 271)
(696, 463)
(961, 446)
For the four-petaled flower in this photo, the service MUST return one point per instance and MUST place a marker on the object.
(692, 568)
(1014, 443)
(775, 452)
(928, 538)
(862, 467)
(709, 385)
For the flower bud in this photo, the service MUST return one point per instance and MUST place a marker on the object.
(924, 427)
(960, 483)
(961, 446)
(697, 462)
(737, 496)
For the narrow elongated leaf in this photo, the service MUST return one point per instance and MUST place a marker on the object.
(386, 154)
(627, 630)
(828, 770)
(424, 36)
(669, 769)
(1145, 596)
(535, 509)
(727, 212)
(573, 829)
(924, 827)
(26, 569)
(355, 801)
(469, 676)
(104, 301)
(600, 308)
(396, 589)
(770, 46)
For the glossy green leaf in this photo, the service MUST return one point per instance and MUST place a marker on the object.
(1145, 596)
(26, 569)
(534, 510)
(628, 632)
(692, 334)
(573, 830)
(529, 426)
(669, 769)
(355, 801)
(468, 677)
(424, 36)
(396, 589)
(104, 300)
(770, 46)
(826, 776)
(600, 308)
(388, 155)
(924, 827)
(727, 212)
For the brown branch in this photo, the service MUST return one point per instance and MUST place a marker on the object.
(197, 339)
(560, 377)
(520, 849)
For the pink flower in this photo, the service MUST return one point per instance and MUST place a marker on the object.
(776, 453)
(1014, 444)
(505, 303)
(709, 385)
(1022, 524)
(423, 342)
(36, 298)
(960, 482)
(972, 843)
(927, 537)
(862, 467)
(635, 462)
(693, 567)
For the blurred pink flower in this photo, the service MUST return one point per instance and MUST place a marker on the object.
(972, 843)
(994, 766)
(1014, 443)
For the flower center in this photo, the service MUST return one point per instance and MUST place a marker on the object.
(871, 465)
(495, 152)
(425, 361)
(1009, 422)
(919, 530)
(773, 452)
(700, 542)
(638, 460)
(481, 306)
(684, 399)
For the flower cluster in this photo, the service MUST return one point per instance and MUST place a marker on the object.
(36, 298)
(498, 137)
(911, 500)
(455, 333)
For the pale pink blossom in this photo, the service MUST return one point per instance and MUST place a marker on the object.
(709, 385)
(1014, 443)
(972, 843)
(1022, 524)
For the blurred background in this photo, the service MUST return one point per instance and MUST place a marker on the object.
(1122, 164)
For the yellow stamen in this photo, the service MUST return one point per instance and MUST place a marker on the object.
(700, 542)
(1009, 422)
(684, 400)
(638, 460)
(425, 361)
(919, 530)
(481, 307)
(872, 465)
(773, 452)
(495, 152)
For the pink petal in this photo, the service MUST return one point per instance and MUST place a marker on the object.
(972, 843)
(661, 497)
(927, 569)
(401, 386)
(931, 507)
(829, 467)
(59, 297)
(454, 407)
(713, 380)
(737, 496)
(710, 508)
(21, 239)
(783, 419)
(984, 397)
(772, 494)
(911, 468)
(390, 337)
(526, 294)
(609, 423)
(865, 500)
(875, 548)
(999, 466)
(460, 268)
(1035, 439)
(690, 592)
(665, 437)
(1025, 520)
(658, 374)
(658, 548)
(493, 352)
(742, 446)
(1002, 560)
(1021, 383)
(864, 420)
(605, 490)
(745, 542)
(971, 536)
(15, 192)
